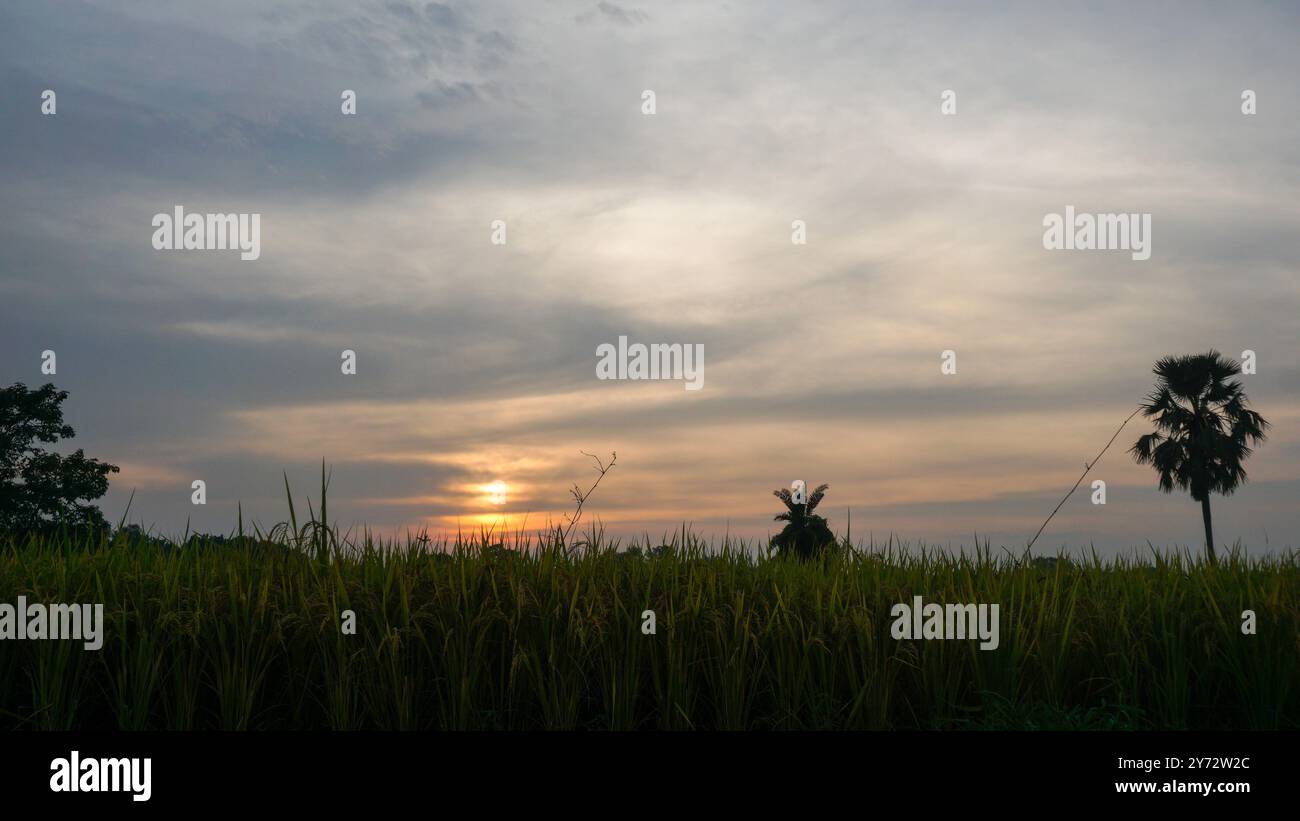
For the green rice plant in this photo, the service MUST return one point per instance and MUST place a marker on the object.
(544, 631)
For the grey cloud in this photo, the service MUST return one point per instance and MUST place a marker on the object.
(445, 95)
(924, 229)
(614, 13)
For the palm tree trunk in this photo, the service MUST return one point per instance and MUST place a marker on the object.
(1209, 529)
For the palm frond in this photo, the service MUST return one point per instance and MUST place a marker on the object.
(816, 497)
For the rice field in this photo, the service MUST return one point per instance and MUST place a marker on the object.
(528, 633)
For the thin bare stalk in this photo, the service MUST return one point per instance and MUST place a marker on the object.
(1087, 466)
(580, 497)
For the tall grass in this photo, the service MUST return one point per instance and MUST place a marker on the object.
(531, 633)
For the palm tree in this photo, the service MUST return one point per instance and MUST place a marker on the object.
(805, 534)
(1204, 429)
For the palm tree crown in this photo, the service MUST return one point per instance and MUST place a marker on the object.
(1204, 429)
(796, 511)
(806, 534)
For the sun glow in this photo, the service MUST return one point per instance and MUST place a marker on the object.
(496, 492)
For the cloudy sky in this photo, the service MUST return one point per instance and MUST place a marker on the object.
(476, 362)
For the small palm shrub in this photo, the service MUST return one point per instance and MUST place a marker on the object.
(806, 535)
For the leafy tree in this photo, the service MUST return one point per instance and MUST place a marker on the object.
(39, 489)
(806, 534)
(1204, 429)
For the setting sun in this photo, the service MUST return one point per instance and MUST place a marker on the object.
(496, 492)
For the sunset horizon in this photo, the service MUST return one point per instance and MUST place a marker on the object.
(781, 391)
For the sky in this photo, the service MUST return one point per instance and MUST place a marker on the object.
(476, 362)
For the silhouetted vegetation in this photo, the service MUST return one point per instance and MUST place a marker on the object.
(1204, 429)
(806, 534)
(40, 490)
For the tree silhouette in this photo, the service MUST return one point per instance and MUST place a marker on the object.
(805, 534)
(37, 488)
(1204, 429)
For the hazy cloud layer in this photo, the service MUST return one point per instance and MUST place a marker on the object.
(477, 362)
